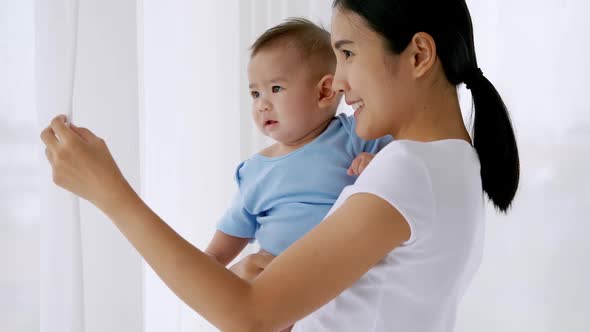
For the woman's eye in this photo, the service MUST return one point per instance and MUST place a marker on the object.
(347, 54)
(276, 89)
(255, 94)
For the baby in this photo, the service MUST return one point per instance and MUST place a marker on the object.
(288, 188)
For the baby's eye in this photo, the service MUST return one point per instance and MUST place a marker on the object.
(347, 54)
(276, 89)
(255, 94)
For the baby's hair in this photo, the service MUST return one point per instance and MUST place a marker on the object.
(311, 40)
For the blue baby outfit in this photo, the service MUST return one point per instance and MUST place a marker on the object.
(282, 198)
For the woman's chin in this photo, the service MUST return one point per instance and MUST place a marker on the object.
(366, 133)
(362, 131)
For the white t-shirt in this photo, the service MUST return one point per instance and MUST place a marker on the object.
(417, 287)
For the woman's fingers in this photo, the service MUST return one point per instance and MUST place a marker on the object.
(82, 164)
(58, 131)
(48, 155)
(48, 137)
(84, 133)
(61, 130)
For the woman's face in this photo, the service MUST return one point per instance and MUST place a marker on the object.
(375, 81)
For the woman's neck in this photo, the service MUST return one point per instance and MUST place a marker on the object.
(437, 117)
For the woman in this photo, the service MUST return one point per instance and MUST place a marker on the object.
(401, 245)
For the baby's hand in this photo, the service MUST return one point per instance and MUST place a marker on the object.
(360, 163)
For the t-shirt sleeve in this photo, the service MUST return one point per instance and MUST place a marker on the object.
(237, 220)
(360, 145)
(403, 181)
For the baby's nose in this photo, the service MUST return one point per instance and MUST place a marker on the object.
(264, 106)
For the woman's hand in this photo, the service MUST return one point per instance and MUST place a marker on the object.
(252, 265)
(82, 163)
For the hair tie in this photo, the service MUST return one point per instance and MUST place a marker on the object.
(472, 77)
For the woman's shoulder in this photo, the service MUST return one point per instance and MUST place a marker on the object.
(395, 156)
(449, 151)
(395, 163)
(414, 166)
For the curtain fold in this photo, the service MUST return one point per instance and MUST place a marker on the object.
(61, 285)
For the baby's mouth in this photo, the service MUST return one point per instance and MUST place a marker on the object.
(270, 122)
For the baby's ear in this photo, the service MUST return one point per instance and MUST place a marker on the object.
(327, 97)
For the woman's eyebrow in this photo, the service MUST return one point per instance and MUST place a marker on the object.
(340, 43)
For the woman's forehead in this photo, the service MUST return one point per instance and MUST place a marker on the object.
(347, 25)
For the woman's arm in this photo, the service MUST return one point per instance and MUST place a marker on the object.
(309, 274)
(314, 270)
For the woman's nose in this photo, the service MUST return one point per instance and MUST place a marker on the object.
(340, 83)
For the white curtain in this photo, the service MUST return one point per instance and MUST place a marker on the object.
(191, 127)
(61, 291)
(19, 180)
(86, 66)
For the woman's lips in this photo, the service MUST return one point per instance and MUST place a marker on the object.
(357, 110)
(357, 105)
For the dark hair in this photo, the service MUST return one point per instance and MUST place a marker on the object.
(449, 24)
(312, 41)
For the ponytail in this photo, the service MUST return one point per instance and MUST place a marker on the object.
(494, 141)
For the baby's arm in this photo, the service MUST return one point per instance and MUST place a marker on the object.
(359, 163)
(224, 248)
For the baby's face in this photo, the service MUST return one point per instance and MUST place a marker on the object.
(284, 94)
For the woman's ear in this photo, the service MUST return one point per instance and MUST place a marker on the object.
(326, 97)
(423, 54)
